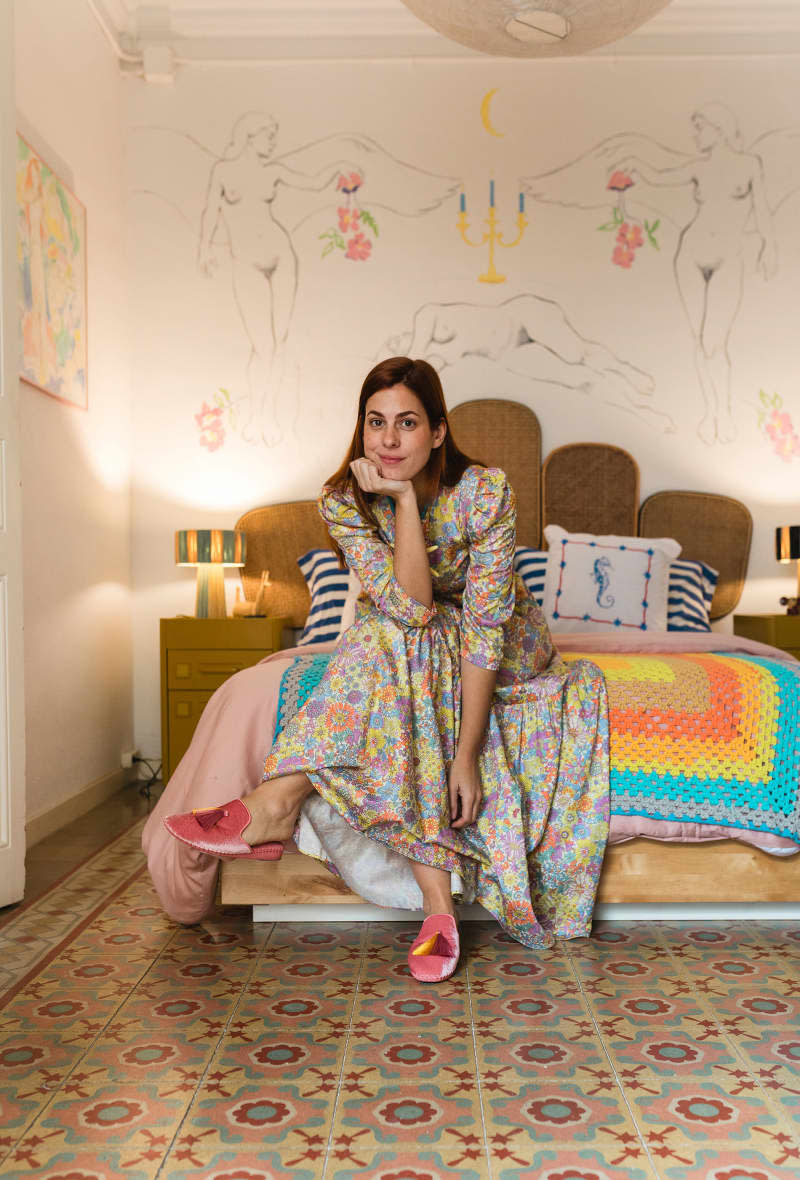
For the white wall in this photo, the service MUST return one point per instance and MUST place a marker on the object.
(190, 328)
(76, 465)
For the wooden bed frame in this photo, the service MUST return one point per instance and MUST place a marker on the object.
(584, 487)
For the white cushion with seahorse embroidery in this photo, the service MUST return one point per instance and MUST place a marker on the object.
(607, 583)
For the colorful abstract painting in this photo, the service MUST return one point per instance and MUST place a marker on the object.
(51, 252)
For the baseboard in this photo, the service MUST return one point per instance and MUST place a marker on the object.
(77, 805)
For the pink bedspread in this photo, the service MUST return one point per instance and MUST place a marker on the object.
(226, 758)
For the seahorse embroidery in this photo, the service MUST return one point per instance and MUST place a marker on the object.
(601, 567)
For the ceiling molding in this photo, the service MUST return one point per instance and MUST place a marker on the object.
(275, 30)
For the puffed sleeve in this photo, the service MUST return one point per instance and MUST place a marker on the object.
(490, 508)
(370, 559)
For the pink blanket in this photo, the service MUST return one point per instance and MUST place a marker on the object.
(227, 753)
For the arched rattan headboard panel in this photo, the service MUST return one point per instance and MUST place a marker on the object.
(506, 434)
(585, 487)
(591, 488)
(276, 536)
(714, 529)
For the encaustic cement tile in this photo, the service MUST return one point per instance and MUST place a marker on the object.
(722, 1109)
(187, 1163)
(93, 1163)
(284, 1056)
(227, 1116)
(419, 1114)
(530, 1008)
(65, 1014)
(143, 1053)
(408, 1056)
(675, 1054)
(513, 1162)
(414, 1006)
(419, 1164)
(589, 1110)
(763, 1157)
(624, 1016)
(521, 1058)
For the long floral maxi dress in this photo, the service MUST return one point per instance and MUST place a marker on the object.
(377, 736)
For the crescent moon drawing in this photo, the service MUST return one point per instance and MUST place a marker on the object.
(486, 115)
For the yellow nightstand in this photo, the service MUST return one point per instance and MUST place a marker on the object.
(781, 631)
(197, 655)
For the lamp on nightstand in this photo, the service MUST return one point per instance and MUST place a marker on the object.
(787, 548)
(210, 550)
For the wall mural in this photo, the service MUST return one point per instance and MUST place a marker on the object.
(251, 211)
(710, 214)
(717, 199)
(532, 337)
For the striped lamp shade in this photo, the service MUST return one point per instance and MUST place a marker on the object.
(210, 550)
(220, 546)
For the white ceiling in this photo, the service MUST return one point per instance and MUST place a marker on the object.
(251, 30)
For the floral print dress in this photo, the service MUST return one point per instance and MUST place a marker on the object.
(378, 734)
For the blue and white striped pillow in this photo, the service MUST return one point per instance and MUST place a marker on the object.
(531, 564)
(328, 586)
(691, 589)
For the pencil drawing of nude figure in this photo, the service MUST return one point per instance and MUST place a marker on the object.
(532, 336)
(253, 208)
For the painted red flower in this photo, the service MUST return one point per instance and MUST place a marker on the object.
(630, 235)
(116, 1113)
(703, 1108)
(348, 183)
(348, 218)
(619, 181)
(359, 248)
(408, 1112)
(209, 423)
(622, 257)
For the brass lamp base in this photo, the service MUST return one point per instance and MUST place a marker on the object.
(210, 600)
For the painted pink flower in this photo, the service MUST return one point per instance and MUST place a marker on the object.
(348, 218)
(622, 256)
(780, 430)
(209, 423)
(630, 235)
(349, 183)
(619, 181)
(359, 248)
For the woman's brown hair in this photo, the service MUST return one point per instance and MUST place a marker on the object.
(446, 464)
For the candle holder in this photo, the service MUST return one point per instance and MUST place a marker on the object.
(492, 236)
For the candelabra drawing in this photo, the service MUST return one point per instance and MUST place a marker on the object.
(493, 235)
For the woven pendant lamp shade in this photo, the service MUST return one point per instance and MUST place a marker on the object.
(535, 28)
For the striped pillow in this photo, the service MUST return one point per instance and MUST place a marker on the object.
(691, 589)
(328, 586)
(531, 564)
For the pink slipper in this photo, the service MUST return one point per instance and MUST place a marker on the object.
(218, 831)
(433, 955)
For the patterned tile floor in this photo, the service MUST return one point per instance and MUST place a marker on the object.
(130, 1046)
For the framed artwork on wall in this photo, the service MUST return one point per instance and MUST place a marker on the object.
(51, 252)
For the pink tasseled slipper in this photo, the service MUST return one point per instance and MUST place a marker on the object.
(434, 952)
(218, 831)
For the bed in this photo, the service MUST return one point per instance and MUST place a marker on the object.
(584, 487)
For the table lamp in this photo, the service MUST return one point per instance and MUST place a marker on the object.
(210, 550)
(787, 548)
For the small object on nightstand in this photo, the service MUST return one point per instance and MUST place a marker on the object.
(782, 631)
(210, 550)
(787, 548)
(242, 609)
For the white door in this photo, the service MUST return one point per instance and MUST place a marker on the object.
(12, 699)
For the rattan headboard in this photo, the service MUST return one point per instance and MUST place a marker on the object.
(585, 487)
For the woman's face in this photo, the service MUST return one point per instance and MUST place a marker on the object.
(263, 142)
(397, 433)
(705, 133)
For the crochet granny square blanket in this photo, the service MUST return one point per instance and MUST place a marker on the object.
(698, 737)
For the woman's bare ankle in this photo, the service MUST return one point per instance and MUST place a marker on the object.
(274, 813)
(438, 904)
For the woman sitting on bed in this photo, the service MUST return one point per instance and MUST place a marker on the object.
(448, 753)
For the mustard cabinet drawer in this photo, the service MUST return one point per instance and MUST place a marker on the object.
(185, 709)
(207, 669)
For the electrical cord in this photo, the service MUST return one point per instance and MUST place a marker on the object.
(144, 787)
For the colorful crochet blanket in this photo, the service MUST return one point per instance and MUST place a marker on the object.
(700, 737)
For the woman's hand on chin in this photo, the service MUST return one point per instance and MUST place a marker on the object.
(369, 478)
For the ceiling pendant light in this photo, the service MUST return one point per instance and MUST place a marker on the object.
(542, 28)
